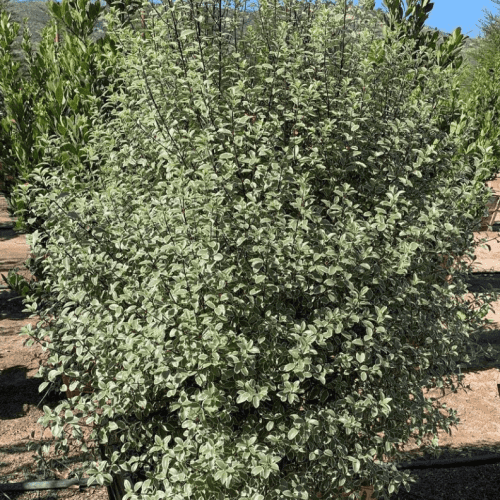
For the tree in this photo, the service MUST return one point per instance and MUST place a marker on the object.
(367, 4)
(479, 85)
(412, 28)
(483, 55)
(491, 27)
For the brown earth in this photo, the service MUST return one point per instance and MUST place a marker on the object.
(478, 406)
(21, 403)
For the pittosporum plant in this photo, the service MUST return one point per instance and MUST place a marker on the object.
(252, 275)
(477, 139)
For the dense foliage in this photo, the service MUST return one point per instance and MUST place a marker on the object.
(65, 81)
(479, 94)
(252, 253)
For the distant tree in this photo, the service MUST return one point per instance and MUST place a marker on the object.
(126, 9)
(483, 55)
(367, 4)
(491, 27)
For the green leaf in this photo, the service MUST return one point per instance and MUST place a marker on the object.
(257, 470)
(243, 396)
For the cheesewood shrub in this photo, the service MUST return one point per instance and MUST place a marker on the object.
(254, 275)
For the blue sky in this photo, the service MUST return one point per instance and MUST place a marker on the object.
(445, 16)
